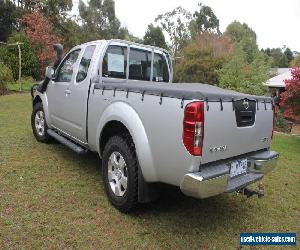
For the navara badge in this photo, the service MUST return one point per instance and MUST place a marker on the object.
(218, 149)
(246, 104)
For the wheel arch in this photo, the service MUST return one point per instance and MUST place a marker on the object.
(42, 98)
(120, 117)
(111, 128)
(36, 100)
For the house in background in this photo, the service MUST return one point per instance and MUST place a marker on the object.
(276, 84)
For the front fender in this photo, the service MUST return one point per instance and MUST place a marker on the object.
(44, 100)
(124, 113)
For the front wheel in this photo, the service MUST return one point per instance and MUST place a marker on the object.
(120, 172)
(38, 123)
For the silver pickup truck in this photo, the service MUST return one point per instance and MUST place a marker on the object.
(117, 98)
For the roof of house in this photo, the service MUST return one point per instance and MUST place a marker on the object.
(278, 81)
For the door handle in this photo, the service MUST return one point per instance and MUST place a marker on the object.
(68, 92)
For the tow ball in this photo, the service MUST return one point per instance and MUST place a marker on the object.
(250, 192)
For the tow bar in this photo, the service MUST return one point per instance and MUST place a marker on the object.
(250, 192)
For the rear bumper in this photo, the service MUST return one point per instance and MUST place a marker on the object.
(214, 179)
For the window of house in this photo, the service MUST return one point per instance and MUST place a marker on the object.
(139, 65)
(115, 62)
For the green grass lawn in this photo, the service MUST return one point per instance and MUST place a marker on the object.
(15, 87)
(52, 198)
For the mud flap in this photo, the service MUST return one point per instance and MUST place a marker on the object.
(147, 192)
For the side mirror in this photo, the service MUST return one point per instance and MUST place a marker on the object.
(49, 72)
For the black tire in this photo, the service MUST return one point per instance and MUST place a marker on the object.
(41, 137)
(125, 147)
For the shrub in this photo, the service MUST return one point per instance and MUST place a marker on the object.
(239, 75)
(10, 55)
(290, 99)
(203, 58)
(295, 62)
(39, 30)
(5, 77)
(281, 124)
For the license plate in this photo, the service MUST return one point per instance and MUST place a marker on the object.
(238, 167)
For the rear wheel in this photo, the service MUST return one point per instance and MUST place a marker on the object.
(38, 123)
(120, 172)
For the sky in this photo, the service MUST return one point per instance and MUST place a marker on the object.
(276, 22)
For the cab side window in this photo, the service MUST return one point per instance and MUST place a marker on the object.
(160, 69)
(67, 68)
(115, 62)
(85, 63)
(139, 65)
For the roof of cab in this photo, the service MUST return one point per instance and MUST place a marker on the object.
(126, 42)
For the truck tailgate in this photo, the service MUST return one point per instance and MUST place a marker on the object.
(229, 131)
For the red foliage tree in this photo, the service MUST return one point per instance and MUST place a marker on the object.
(290, 99)
(38, 28)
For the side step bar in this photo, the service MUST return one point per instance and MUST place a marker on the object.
(78, 149)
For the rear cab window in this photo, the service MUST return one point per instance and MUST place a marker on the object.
(131, 62)
(139, 64)
(115, 62)
(160, 68)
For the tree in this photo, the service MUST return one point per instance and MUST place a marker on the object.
(244, 37)
(154, 36)
(289, 55)
(205, 20)
(238, 31)
(182, 26)
(8, 21)
(39, 31)
(290, 99)
(267, 51)
(239, 75)
(55, 7)
(296, 61)
(279, 58)
(58, 13)
(126, 35)
(5, 77)
(49, 7)
(177, 25)
(10, 55)
(25, 5)
(99, 19)
(62, 24)
(70, 31)
(203, 58)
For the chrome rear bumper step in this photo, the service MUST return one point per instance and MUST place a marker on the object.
(78, 149)
(242, 181)
(214, 179)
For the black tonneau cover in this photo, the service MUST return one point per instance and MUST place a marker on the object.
(187, 91)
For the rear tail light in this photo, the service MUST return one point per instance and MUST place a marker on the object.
(193, 127)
